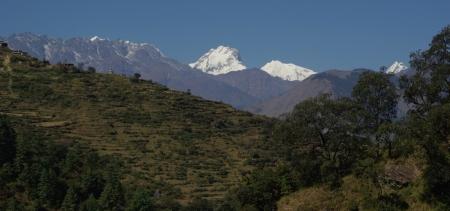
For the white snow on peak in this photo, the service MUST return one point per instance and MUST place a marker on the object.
(396, 68)
(96, 38)
(287, 71)
(127, 42)
(219, 60)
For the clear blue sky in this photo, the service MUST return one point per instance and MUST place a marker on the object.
(317, 34)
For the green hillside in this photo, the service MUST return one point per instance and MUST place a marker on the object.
(201, 148)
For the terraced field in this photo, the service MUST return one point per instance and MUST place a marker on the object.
(202, 148)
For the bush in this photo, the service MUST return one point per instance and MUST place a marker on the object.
(391, 202)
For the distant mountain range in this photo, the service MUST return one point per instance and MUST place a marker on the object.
(257, 83)
(125, 57)
(223, 59)
(220, 74)
(339, 83)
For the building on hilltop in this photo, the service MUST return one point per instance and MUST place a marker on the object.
(3, 44)
(68, 65)
(19, 52)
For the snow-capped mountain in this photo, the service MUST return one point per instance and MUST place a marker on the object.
(122, 56)
(219, 60)
(126, 57)
(396, 68)
(287, 71)
(96, 38)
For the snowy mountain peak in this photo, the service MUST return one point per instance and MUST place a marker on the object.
(101, 53)
(396, 68)
(96, 38)
(287, 71)
(219, 60)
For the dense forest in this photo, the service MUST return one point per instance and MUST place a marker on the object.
(331, 153)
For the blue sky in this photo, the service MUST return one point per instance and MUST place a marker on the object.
(317, 34)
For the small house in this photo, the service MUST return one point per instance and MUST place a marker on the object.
(19, 52)
(68, 65)
(3, 44)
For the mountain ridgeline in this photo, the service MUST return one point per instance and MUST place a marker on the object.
(336, 82)
(218, 75)
(125, 57)
(74, 139)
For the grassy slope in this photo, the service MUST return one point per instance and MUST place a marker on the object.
(358, 193)
(199, 146)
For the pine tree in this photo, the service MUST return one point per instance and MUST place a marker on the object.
(7, 142)
(13, 205)
(141, 201)
(112, 197)
(46, 187)
(90, 204)
(70, 200)
(28, 151)
(91, 182)
(73, 161)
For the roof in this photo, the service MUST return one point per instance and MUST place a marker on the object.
(18, 52)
